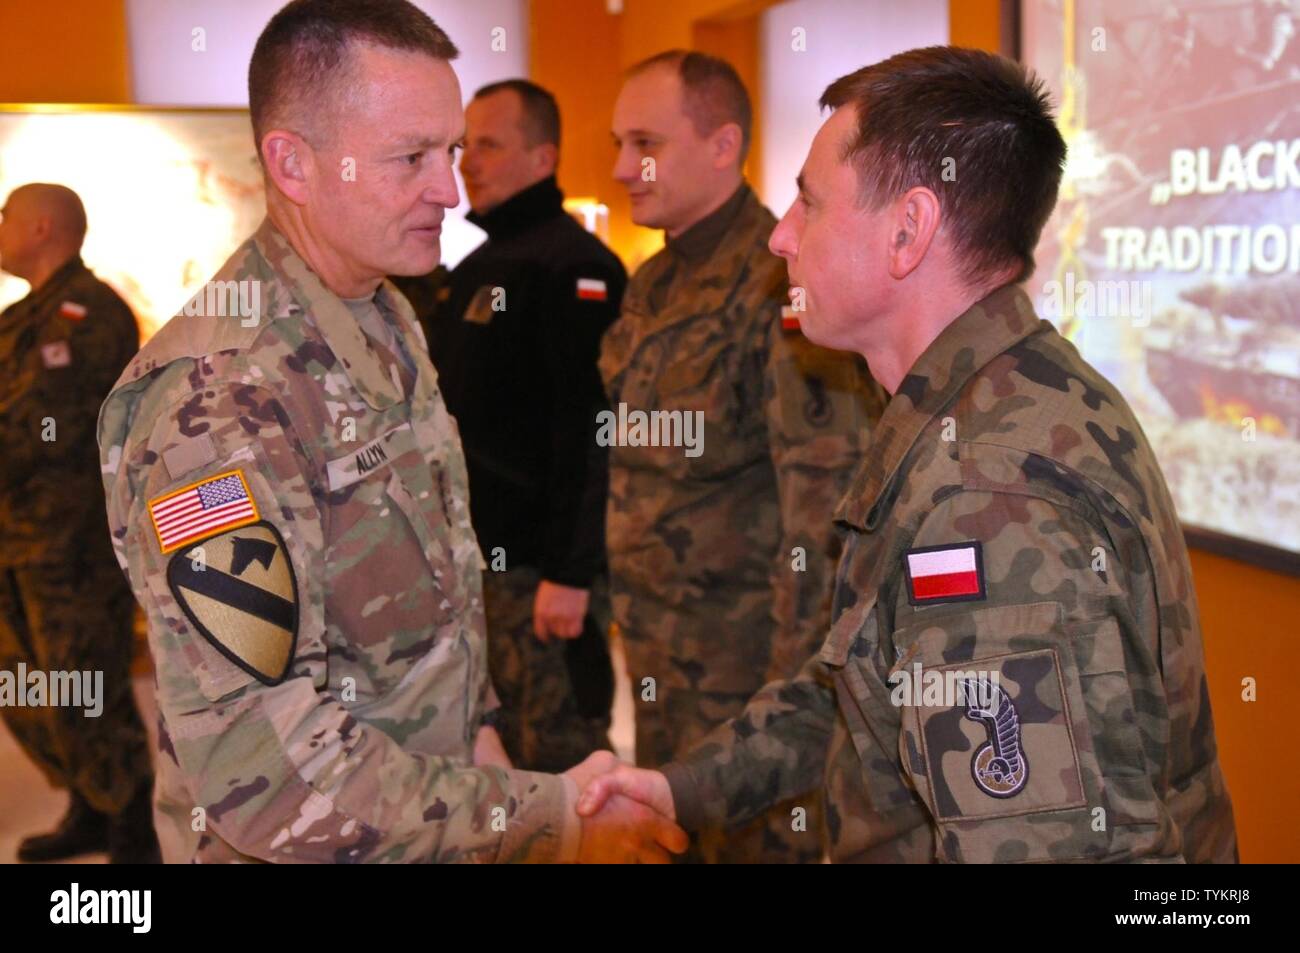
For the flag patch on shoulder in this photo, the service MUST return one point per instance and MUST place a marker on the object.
(592, 289)
(201, 509)
(951, 573)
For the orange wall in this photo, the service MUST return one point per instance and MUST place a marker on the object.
(576, 52)
(1250, 618)
(974, 23)
(654, 25)
(75, 52)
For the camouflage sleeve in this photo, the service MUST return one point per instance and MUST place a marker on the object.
(286, 771)
(50, 421)
(820, 406)
(1056, 751)
(774, 750)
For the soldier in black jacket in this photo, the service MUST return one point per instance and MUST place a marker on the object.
(515, 336)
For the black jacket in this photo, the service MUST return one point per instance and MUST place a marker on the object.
(515, 337)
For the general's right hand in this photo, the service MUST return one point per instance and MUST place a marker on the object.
(618, 828)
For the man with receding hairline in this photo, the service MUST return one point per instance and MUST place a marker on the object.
(288, 497)
(64, 607)
(721, 559)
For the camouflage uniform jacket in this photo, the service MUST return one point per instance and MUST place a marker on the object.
(361, 750)
(693, 541)
(1002, 451)
(61, 348)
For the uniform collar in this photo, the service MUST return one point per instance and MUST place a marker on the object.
(985, 330)
(331, 317)
(712, 282)
(531, 206)
(56, 285)
(702, 239)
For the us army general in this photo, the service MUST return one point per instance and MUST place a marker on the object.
(288, 496)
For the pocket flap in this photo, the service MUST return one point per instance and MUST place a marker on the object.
(847, 628)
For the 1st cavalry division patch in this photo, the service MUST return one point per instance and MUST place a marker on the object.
(239, 591)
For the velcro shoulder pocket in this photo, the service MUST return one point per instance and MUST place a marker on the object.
(1019, 732)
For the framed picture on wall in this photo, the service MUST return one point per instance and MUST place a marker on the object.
(1173, 258)
(169, 192)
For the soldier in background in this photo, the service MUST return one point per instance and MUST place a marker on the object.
(1008, 528)
(515, 341)
(64, 606)
(288, 495)
(423, 292)
(721, 557)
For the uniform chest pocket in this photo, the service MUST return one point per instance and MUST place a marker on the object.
(700, 370)
(427, 516)
(687, 404)
(1018, 731)
(392, 589)
(384, 488)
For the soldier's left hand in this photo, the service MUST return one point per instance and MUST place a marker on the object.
(559, 611)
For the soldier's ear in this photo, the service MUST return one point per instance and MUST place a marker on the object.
(42, 226)
(285, 155)
(915, 221)
(726, 140)
(546, 158)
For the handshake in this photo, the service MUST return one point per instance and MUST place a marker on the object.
(627, 813)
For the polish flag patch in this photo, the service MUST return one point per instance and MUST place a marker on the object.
(72, 311)
(953, 573)
(789, 318)
(592, 289)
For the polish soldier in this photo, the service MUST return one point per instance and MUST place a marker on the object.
(1015, 671)
(721, 553)
(64, 606)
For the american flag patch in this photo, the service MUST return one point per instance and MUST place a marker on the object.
(218, 503)
(72, 311)
(592, 289)
(952, 573)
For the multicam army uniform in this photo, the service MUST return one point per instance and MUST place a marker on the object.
(339, 440)
(721, 564)
(1008, 464)
(64, 606)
